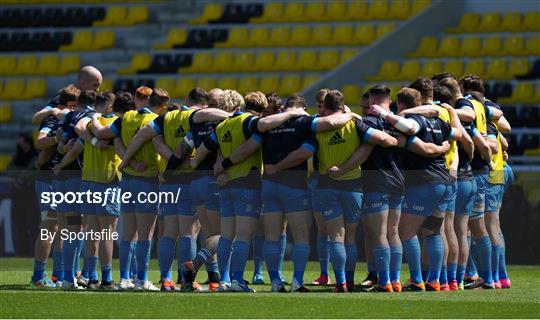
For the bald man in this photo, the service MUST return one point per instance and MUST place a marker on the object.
(89, 78)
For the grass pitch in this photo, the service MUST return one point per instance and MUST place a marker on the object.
(16, 301)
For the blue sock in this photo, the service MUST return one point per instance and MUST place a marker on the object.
(70, 249)
(58, 265)
(77, 267)
(411, 252)
(239, 256)
(90, 264)
(224, 258)
(142, 254)
(185, 250)
(39, 270)
(483, 247)
(452, 271)
(502, 259)
(372, 269)
(351, 252)
(166, 256)
(338, 257)
(271, 257)
(203, 256)
(282, 249)
(258, 243)
(323, 244)
(300, 255)
(396, 256)
(495, 256)
(133, 269)
(381, 254)
(125, 259)
(460, 275)
(435, 249)
(471, 265)
(106, 272)
(425, 271)
(443, 278)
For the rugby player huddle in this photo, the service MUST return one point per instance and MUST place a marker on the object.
(425, 175)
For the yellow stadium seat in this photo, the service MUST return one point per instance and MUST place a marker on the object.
(315, 11)
(399, 9)
(243, 61)
(139, 61)
(497, 69)
(136, 15)
(343, 34)
(347, 54)
(336, 11)
(211, 11)
(514, 46)
(26, 65)
(471, 47)
(388, 71)
(5, 160)
(426, 48)
(103, 40)
(279, 36)
(308, 80)
(307, 60)
(357, 10)
(82, 41)
(454, 66)
(247, 84)
(169, 85)
(6, 113)
(351, 94)
(410, 70)
(328, 59)
(258, 37)
(378, 10)
(70, 63)
(8, 65)
(419, 5)
(321, 35)
(363, 34)
(285, 61)
(475, 66)
(175, 36)
(184, 85)
(264, 61)
(269, 84)
(394, 89)
(273, 12)
(512, 21)
(383, 29)
(115, 16)
(48, 65)
(523, 93)
(238, 37)
(290, 84)
(531, 21)
(35, 88)
(13, 90)
(492, 46)
(227, 83)
(300, 36)
(449, 47)
(223, 61)
(533, 45)
(491, 22)
(470, 22)
(431, 67)
(206, 83)
(202, 62)
(106, 85)
(518, 67)
(294, 12)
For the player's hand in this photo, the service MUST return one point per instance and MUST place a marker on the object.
(139, 166)
(222, 180)
(270, 169)
(218, 168)
(102, 144)
(446, 106)
(401, 140)
(69, 145)
(346, 109)
(505, 156)
(334, 172)
(375, 110)
(453, 174)
(122, 165)
(298, 112)
(356, 116)
(96, 115)
(58, 134)
(445, 147)
(56, 170)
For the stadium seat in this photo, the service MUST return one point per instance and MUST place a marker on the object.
(518, 67)
(430, 67)
(169, 85)
(491, 22)
(449, 47)
(357, 10)
(264, 61)
(115, 16)
(35, 88)
(492, 46)
(419, 5)
(399, 9)
(531, 21)
(223, 61)
(238, 37)
(289, 84)
(139, 61)
(454, 66)
(243, 61)
(307, 60)
(206, 83)
(273, 12)
(315, 11)
(383, 29)
(514, 46)
(258, 37)
(351, 94)
(300, 36)
(309, 80)
(103, 40)
(471, 47)
(136, 15)
(279, 36)
(410, 70)
(6, 113)
(512, 22)
(269, 84)
(175, 36)
(294, 12)
(247, 84)
(497, 69)
(211, 11)
(285, 61)
(363, 34)
(523, 92)
(328, 59)
(227, 83)
(5, 160)
(426, 48)
(470, 22)
(202, 62)
(13, 90)
(26, 65)
(48, 65)
(82, 41)
(378, 10)
(321, 35)
(8, 65)
(533, 45)
(394, 89)
(388, 70)
(184, 85)
(336, 11)
(475, 66)
(346, 55)
(343, 34)
(70, 63)
(106, 85)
